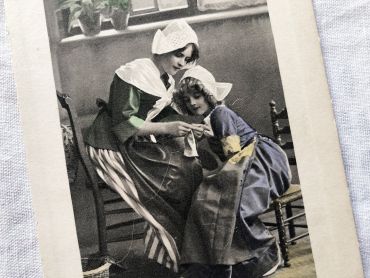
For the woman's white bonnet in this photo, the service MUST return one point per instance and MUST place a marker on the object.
(176, 35)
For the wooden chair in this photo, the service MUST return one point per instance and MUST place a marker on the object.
(103, 205)
(282, 136)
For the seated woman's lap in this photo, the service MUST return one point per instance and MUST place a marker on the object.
(164, 178)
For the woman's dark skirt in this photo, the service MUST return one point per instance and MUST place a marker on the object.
(165, 179)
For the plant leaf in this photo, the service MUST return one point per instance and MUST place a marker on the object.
(78, 14)
(67, 4)
(121, 4)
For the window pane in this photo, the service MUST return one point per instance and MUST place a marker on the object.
(204, 5)
(138, 5)
(172, 4)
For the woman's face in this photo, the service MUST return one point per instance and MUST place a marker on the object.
(174, 61)
(195, 102)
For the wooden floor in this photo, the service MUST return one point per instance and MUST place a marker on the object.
(130, 254)
(302, 265)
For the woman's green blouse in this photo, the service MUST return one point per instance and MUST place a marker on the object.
(121, 117)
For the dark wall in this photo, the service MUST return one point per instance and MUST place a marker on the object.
(239, 50)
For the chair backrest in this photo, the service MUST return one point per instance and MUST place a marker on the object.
(281, 131)
(67, 103)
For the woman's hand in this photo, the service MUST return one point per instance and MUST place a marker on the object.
(177, 128)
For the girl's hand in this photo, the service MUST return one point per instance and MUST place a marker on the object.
(199, 130)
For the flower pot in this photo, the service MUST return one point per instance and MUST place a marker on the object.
(90, 26)
(106, 12)
(119, 19)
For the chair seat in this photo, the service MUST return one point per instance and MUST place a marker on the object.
(293, 188)
(293, 193)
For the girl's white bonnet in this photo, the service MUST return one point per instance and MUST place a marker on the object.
(218, 89)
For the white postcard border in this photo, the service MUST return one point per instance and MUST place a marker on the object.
(308, 100)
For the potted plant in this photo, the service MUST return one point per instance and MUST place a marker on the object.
(86, 13)
(120, 12)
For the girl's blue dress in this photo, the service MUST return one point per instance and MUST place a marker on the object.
(223, 227)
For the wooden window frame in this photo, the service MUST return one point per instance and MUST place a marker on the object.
(135, 19)
(138, 19)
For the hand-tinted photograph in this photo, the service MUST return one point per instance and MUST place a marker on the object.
(177, 139)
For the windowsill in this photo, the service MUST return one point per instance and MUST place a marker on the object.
(161, 24)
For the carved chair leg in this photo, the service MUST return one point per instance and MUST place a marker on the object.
(289, 213)
(101, 222)
(282, 234)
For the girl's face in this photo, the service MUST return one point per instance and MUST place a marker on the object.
(174, 61)
(195, 102)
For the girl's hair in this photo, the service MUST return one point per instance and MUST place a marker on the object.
(194, 55)
(191, 83)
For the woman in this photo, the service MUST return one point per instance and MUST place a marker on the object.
(223, 234)
(142, 157)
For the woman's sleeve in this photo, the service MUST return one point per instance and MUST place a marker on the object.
(225, 130)
(124, 103)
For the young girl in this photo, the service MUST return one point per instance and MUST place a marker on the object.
(223, 234)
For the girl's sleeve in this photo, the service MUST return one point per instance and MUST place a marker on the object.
(124, 103)
(225, 129)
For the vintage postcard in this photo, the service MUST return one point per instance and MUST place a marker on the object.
(188, 138)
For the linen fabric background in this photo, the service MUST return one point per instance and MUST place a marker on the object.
(345, 40)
